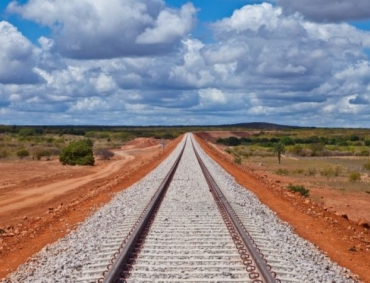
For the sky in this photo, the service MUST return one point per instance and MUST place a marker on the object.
(178, 62)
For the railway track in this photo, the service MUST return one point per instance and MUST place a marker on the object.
(188, 230)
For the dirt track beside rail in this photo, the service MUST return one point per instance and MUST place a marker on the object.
(41, 201)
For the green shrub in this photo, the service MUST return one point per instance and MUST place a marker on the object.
(234, 141)
(300, 189)
(3, 154)
(298, 171)
(328, 172)
(283, 172)
(297, 149)
(22, 153)
(311, 172)
(38, 153)
(354, 176)
(77, 153)
(238, 160)
(367, 166)
(26, 132)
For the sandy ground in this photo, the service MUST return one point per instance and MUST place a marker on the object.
(342, 239)
(41, 201)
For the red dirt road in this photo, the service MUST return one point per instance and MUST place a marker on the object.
(41, 202)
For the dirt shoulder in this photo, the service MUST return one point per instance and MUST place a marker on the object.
(41, 202)
(342, 240)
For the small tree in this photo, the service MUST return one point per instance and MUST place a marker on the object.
(77, 153)
(22, 153)
(279, 148)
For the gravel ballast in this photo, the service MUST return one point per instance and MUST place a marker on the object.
(64, 260)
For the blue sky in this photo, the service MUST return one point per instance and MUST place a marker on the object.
(176, 62)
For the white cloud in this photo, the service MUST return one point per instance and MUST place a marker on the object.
(251, 17)
(104, 83)
(262, 64)
(212, 96)
(89, 104)
(169, 26)
(93, 29)
(17, 57)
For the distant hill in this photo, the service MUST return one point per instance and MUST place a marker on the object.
(263, 126)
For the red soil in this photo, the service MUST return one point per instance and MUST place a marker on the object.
(341, 239)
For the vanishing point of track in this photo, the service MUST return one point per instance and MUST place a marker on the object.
(188, 231)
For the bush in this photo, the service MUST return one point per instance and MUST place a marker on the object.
(298, 171)
(354, 177)
(22, 153)
(39, 152)
(364, 153)
(299, 189)
(26, 132)
(104, 153)
(338, 171)
(297, 149)
(311, 172)
(234, 141)
(283, 172)
(238, 160)
(77, 153)
(327, 172)
(367, 166)
(3, 154)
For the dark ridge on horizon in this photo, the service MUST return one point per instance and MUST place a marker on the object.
(249, 125)
(264, 125)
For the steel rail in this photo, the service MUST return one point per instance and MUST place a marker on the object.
(114, 272)
(260, 262)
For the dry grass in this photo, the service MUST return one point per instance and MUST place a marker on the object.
(317, 171)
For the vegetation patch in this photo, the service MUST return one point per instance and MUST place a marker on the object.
(282, 172)
(22, 153)
(299, 189)
(354, 176)
(78, 152)
(238, 160)
(367, 166)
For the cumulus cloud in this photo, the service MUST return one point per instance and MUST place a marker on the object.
(214, 100)
(94, 29)
(263, 64)
(17, 57)
(286, 52)
(169, 26)
(328, 10)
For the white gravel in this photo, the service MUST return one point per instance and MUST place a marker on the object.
(64, 260)
(309, 262)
